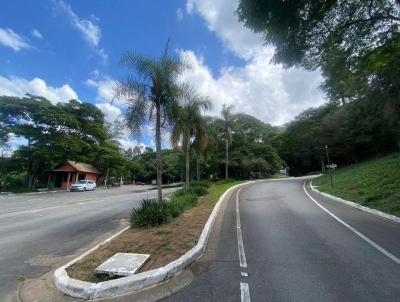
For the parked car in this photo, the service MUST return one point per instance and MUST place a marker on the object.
(139, 183)
(83, 185)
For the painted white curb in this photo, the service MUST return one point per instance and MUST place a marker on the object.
(87, 290)
(356, 205)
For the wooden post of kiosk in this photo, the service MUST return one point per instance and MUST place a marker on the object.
(69, 175)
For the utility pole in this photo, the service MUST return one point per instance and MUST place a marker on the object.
(329, 164)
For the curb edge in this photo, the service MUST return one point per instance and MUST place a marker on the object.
(380, 214)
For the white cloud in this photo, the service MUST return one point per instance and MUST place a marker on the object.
(268, 92)
(179, 14)
(127, 143)
(102, 54)
(91, 82)
(105, 88)
(11, 39)
(16, 86)
(110, 111)
(36, 33)
(189, 6)
(221, 18)
(90, 31)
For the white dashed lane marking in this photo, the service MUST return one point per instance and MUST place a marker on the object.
(244, 287)
(244, 292)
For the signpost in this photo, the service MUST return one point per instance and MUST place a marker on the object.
(329, 166)
(332, 166)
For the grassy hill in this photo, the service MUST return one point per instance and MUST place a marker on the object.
(374, 183)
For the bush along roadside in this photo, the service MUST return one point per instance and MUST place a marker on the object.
(152, 212)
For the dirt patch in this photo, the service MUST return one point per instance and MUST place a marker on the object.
(164, 243)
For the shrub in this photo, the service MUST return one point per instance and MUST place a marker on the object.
(179, 204)
(198, 190)
(202, 183)
(175, 208)
(150, 212)
(180, 192)
(193, 190)
(225, 181)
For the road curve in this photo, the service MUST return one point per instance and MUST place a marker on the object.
(296, 246)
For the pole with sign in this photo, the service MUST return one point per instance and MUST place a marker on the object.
(329, 164)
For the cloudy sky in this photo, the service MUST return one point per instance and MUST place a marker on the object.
(63, 49)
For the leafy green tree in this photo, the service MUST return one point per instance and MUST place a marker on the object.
(302, 30)
(301, 142)
(189, 125)
(54, 134)
(250, 152)
(151, 91)
(143, 166)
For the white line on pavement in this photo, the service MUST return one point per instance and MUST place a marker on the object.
(81, 202)
(244, 292)
(242, 255)
(379, 248)
(244, 287)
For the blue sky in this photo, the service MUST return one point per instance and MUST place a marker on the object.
(70, 48)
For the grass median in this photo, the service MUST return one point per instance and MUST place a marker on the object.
(374, 183)
(165, 242)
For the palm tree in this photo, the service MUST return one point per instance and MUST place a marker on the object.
(227, 119)
(188, 125)
(200, 144)
(206, 145)
(151, 92)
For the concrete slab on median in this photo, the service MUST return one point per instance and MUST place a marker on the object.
(122, 264)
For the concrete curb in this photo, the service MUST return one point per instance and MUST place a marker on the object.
(358, 206)
(112, 288)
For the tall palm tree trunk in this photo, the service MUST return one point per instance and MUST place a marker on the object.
(187, 160)
(198, 167)
(226, 158)
(158, 151)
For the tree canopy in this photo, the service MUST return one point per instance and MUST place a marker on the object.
(54, 134)
(303, 30)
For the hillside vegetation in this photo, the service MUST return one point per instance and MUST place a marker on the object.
(374, 183)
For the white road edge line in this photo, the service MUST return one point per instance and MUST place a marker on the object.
(244, 292)
(242, 255)
(375, 245)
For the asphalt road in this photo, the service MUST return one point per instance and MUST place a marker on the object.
(294, 250)
(38, 230)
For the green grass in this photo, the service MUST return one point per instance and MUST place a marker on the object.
(216, 190)
(374, 183)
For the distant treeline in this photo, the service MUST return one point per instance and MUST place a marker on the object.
(49, 134)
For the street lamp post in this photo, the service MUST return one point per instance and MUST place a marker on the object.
(329, 164)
